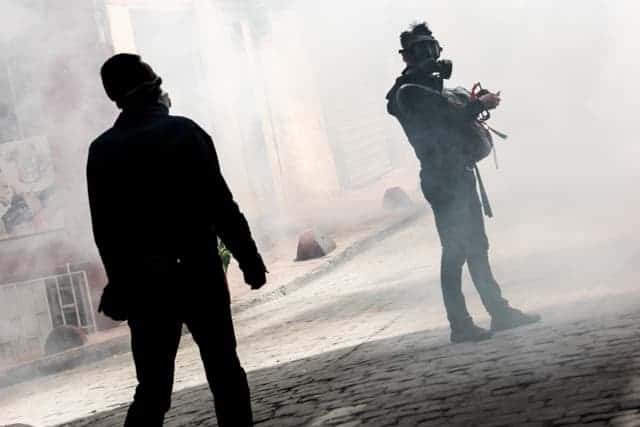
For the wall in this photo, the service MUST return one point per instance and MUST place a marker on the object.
(53, 52)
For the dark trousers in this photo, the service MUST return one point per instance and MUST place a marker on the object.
(460, 225)
(155, 334)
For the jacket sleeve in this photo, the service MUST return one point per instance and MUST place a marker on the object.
(431, 120)
(229, 222)
(418, 100)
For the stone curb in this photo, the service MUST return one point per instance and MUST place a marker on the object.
(335, 261)
(100, 351)
(66, 360)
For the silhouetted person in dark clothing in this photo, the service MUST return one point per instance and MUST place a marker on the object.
(442, 127)
(158, 205)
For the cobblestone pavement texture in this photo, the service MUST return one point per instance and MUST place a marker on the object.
(367, 344)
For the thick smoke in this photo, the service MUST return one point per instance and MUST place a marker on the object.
(50, 60)
(293, 93)
(293, 89)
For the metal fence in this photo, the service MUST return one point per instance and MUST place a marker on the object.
(30, 310)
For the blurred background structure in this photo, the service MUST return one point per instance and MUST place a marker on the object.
(291, 135)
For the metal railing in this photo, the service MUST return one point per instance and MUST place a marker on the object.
(29, 310)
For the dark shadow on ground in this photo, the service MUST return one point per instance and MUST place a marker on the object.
(549, 374)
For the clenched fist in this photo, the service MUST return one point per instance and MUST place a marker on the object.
(255, 275)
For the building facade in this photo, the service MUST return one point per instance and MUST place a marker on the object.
(297, 119)
(48, 113)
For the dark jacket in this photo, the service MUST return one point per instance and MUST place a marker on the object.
(439, 131)
(156, 192)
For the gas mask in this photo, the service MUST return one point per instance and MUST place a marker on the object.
(426, 52)
(423, 51)
(440, 69)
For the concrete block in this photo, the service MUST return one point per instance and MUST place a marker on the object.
(395, 199)
(313, 244)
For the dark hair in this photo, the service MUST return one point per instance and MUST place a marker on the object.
(421, 29)
(409, 38)
(418, 29)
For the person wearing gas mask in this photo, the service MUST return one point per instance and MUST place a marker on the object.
(444, 129)
(158, 205)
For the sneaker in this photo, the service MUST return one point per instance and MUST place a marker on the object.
(469, 332)
(512, 318)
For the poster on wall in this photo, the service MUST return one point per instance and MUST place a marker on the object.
(29, 202)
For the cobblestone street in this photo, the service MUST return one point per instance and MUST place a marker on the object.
(582, 373)
(367, 344)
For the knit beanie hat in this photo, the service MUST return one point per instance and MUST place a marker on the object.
(125, 74)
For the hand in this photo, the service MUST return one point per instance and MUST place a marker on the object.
(113, 303)
(490, 100)
(255, 276)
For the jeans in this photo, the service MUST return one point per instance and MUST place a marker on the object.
(156, 328)
(460, 225)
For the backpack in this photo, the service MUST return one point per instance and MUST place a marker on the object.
(478, 136)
